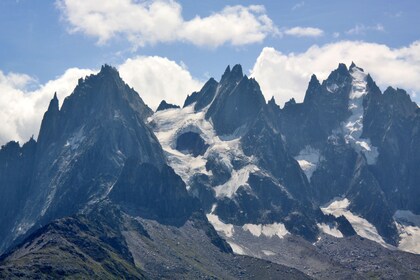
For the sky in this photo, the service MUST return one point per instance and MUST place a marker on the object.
(167, 49)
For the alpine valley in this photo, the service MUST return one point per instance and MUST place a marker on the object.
(229, 186)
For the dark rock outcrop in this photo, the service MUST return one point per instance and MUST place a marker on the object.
(164, 106)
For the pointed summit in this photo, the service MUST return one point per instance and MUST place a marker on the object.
(53, 103)
(342, 68)
(108, 69)
(237, 71)
(49, 123)
(313, 87)
(226, 73)
(234, 75)
(272, 100)
(165, 105)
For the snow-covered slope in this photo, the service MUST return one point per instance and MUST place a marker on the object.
(408, 225)
(236, 236)
(353, 127)
(169, 124)
(360, 225)
(308, 160)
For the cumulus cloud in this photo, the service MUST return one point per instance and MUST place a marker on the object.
(299, 31)
(361, 29)
(22, 108)
(150, 22)
(287, 75)
(156, 78)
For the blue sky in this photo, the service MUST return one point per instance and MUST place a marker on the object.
(166, 49)
(35, 38)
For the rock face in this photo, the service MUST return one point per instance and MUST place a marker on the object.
(244, 173)
(164, 106)
(363, 139)
(106, 243)
(117, 190)
(81, 151)
(144, 190)
(237, 102)
(267, 166)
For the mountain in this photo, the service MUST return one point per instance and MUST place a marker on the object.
(315, 169)
(229, 186)
(80, 152)
(94, 197)
(163, 105)
(105, 242)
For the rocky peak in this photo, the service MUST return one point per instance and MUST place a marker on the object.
(164, 106)
(238, 101)
(313, 87)
(49, 124)
(399, 102)
(234, 75)
(53, 104)
(109, 71)
(338, 78)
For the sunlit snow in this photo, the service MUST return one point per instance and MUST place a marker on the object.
(328, 229)
(408, 225)
(353, 127)
(362, 227)
(308, 160)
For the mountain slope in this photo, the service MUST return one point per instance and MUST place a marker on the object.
(104, 242)
(81, 150)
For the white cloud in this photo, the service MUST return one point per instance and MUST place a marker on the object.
(156, 78)
(298, 5)
(299, 31)
(287, 75)
(361, 29)
(22, 109)
(150, 22)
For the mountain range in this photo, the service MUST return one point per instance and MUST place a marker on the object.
(228, 186)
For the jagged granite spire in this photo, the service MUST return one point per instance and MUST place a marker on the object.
(165, 105)
(238, 101)
(313, 87)
(49, 124)
(235, 74)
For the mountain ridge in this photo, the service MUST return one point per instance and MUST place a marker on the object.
(228, 167)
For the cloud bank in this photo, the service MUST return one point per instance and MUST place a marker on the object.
(22, 109)
(160, 21)
(155, 78)
(287, 75)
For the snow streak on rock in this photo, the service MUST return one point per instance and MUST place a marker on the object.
(353, 128)
(362, 227)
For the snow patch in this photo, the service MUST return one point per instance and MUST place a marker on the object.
(74, 142)
(330, 230)
(268, 253)
(308, 160)
(169, 124)
(226, 229)
(353, 128)
(236, 248)
(362, 227)
(332, 88)
(268, 230)
(408, 225)
(237, 179)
